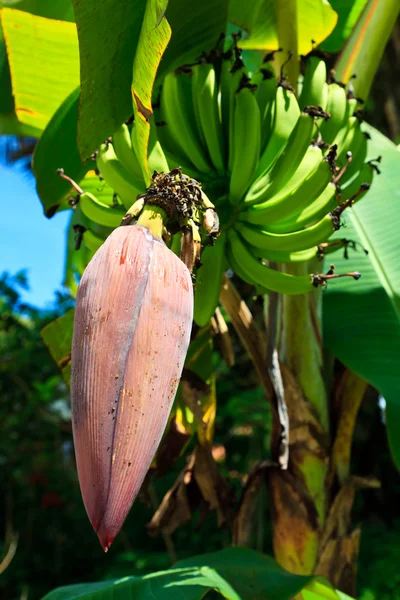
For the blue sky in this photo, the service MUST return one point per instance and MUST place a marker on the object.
(28, 240)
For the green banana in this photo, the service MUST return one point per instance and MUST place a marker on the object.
(103, 192)
(365, 175)
(182, 129)
(209, 281)
(246, 265)
(343, 131)
(285, 257)
(353, 104)
(252, 148)
(336, 108)
(322, 205)
(289, 242)
(156, 155)
(266, 185)
(185, 164)
(240, 272)
(188, 107)
(173, 152)
(224, 98)
(310, 179)
(205, 101)
(92, 241)
(351, 141)
(314, 90)
(236, 77)
(265, 96)
(246, 144)
(117, 177)
(100, 213)
(122, 142)
(309, 214)
(357, 162)
(284, 118)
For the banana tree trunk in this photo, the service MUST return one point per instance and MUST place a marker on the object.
(310, 511)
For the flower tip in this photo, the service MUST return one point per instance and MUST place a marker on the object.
(105, 541)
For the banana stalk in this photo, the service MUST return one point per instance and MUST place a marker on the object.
(298, 495)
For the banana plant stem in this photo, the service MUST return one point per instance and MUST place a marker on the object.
(298, 495)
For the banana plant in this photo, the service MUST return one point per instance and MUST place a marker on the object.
(227, 137)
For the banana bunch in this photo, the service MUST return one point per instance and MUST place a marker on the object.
(280, 167)
(118, 180)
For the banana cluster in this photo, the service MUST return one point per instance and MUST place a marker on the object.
(280, 167)
(120, 181)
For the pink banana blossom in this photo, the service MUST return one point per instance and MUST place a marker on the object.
(132, 327)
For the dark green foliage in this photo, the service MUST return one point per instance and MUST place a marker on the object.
(39, 494)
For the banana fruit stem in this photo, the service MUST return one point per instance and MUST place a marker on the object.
(153, 218)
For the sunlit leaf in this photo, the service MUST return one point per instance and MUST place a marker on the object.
(252, 575)
(236, 573)
(362, 319)
(348, 13)
(44, 64)
(315, 21)
(53, 9)
(9, 125)
(320, 589)
(154, 37)
(364, 49)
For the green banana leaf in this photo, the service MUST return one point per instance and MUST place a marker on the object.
(44, 62)
(315, 21)
(236, 573)
(154, 37)
(106, 95)
(348, 13)
(51, 9)
(362, 319)
(108, 40)
(57, 148)
(54, 9)
(6, 98)
(365, 46)
(320, 589)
